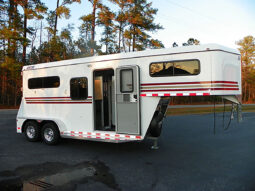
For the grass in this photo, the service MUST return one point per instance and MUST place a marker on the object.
(204, 110)
(8, 107)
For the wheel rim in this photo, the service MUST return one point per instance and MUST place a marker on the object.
(30, 132)
(48, 134)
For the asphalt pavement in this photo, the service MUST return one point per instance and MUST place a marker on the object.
(190, 158)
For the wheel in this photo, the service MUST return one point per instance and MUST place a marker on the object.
(156, 130)
(50, 133)
(32, 131)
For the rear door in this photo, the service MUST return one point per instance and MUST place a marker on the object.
(128, 100)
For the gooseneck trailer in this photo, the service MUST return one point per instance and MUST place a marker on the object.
(121, 97)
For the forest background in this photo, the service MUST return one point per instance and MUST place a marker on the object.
(25, 39)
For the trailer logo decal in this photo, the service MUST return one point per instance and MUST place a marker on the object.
(56, 100)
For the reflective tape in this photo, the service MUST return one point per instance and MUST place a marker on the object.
(175, 94)
(104, 136)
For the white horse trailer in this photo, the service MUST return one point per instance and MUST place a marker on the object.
(121, 97)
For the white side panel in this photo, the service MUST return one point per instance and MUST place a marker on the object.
(67, 113)
(148, 107)
(227, 68)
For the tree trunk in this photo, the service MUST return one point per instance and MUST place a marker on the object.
(133, 48)
(41, 33)
(56, 20)
(120, 29)
(93, 26)
(10, 24)
(25, 34)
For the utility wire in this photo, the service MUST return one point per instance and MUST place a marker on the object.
(191, 10)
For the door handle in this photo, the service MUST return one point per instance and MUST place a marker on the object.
(135, 96)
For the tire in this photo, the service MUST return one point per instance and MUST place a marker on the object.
(32, 131)
(156, 131)
(50, 133)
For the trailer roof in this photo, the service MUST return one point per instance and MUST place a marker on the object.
(130, 55)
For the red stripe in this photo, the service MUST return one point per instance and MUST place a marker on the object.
(127, 136)
(154, 94)
(138, 137)
(98, 137)
(117, 135)
(41, 102)
(107, 138)
(51, 97)
(89, 136)
(80, 132)
(46, 97)
(224, 88)
(89, 133)
(72, 131)
(206, 94)
(98, 134)
(192, 94)
(179, 94)
(142, 95)
(176, 83)
(107, 135)
(166, 94)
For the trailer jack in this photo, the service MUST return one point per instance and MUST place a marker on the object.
(155, 143)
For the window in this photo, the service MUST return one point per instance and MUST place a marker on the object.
(79, 88)
(175, 68)
(44, 82)
(126, 80)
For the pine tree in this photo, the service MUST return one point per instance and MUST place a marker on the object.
(105, 19)
(10, 30)
(121, 21)
(247, 50)
(92, 21)
(141, 22)
(61, 11)
(31, 9)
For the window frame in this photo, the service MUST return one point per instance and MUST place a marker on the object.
(172, 61)
(87, 88)
(43, 83)
(121, 80)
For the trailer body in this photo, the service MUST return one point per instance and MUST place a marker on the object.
(117, 98)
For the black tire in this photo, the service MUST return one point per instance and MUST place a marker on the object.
(32, 131)
(50, 133)
(156, 131)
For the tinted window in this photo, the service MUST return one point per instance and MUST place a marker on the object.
(175, 68)
(45, 82)
(79, 88)
(126, 80)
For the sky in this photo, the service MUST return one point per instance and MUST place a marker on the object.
(210, 21)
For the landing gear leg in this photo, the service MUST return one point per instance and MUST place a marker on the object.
(155, 143)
